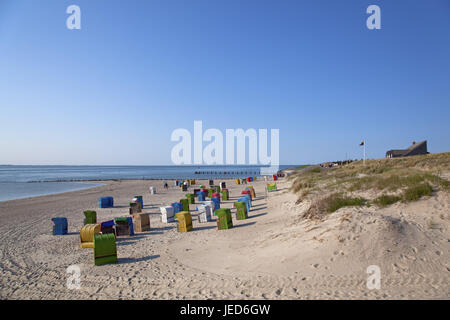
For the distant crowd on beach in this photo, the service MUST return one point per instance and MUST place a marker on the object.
(336, 163)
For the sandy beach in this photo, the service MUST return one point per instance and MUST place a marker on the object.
(274, 254)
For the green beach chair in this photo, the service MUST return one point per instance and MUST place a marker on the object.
(271, 186)
(241, 210)
(224, 219)
(191, 198)
(90, 217)
(105, 250)
(185, 203)
(225, 195)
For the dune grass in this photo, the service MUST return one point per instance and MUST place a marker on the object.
(386, 200)
(335, 202)
(303, 166)
(387, 181)
(414, 193)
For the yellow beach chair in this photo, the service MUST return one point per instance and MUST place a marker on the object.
(87, 235)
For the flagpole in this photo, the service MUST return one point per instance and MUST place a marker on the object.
(364, 162)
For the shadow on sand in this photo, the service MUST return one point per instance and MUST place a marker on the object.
(133, 260)
(244, 225)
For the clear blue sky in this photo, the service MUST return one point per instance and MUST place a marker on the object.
(113, 92)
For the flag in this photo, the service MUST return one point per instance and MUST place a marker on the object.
(362, 143)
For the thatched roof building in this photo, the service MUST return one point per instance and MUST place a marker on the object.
(413, 150)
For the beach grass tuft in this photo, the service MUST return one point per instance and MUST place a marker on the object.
(386, 200)
(414, 193)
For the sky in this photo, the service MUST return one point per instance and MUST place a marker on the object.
(114, 91)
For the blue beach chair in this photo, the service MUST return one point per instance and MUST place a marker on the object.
(60, 226)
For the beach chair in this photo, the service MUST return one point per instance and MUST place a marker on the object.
(192, 182)
(216, 195)
(107, 227)
(271, 186)
(249, 179)
(90, 217)
(105, 250)
(184, 187)
(185, 204)
(204, 213)
(241, 210)
(141, 200)
(124, 226)
(252, 191)
(59, 225)
(141, 222)
(225, 194)
(168, 214)
(237, 181)
(196, 192)
(249, 199)
(152, 190)
(216, 189)
(106, 202)
(135, 207)
(87, 233)
(247, 192)
(190, 197)
(243, 181)
(211, 182)
(184, 221)
(275, 178)
(177, 207)
(216, 204)
(211, 204)
(201, 195)
(246, 201)
(224, 219)
(223, 185)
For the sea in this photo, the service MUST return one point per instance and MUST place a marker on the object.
(18, 182)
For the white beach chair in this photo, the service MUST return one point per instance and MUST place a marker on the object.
(204, 213)
(167, 214)
(152, 190)
(210, 204)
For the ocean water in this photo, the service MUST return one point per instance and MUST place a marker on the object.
(18, 182)
(21, 190)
